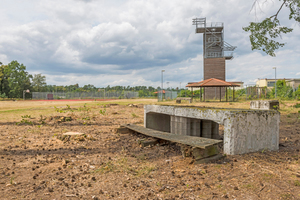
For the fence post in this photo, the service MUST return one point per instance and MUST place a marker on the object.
(246, 92)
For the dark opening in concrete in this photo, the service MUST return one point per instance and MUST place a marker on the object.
(160, 122)
(183, 125)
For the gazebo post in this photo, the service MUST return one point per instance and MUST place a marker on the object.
(220, 94)
(204, 94)
(200, 94)
(226, 94)
(233, 95)
(192, 95)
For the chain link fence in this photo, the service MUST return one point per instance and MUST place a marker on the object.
(85, 95)
(167, 95)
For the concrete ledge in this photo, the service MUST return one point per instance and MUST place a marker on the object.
(245, 130)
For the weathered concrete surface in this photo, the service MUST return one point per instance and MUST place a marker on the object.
(244, 130)
(265, 105)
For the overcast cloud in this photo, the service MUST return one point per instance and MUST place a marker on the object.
(129, 42)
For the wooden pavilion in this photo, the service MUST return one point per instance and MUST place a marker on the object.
(213, 82)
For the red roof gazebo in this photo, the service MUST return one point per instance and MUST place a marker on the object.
(212, 82)
(163, 91)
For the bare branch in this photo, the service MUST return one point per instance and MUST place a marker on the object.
(275, 16)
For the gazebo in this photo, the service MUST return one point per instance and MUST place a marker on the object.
(213, 82)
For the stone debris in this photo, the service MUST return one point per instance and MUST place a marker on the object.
(73, 133)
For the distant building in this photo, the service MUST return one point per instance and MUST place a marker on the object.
(270, 83)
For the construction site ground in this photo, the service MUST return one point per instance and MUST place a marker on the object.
(39, 161)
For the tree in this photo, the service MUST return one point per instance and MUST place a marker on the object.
(38, 82)
(3, 80)
(18, 79)
(263, 34)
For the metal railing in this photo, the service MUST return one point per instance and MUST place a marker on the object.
(201, 22)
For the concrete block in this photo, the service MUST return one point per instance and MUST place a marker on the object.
(204, 153)
(265, 105)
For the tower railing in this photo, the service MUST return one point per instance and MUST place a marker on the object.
(228, 47)
(201, 23)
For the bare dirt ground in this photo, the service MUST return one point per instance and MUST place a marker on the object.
(38, 162)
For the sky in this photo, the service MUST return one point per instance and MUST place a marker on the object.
(129, 42)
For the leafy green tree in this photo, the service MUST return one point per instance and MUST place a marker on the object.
(283, 91)
(89, 88)
(297, 93)
(38, 83)
(185, 93)
(3, 80)
(18, 79)
(263, 34)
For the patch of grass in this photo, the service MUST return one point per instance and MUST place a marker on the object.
(25, 120)
(248, 186)
(12, 180)
(107, 167)
(286, 196)
(142, 157)
(84, 108)
(267, 176)
(297, 183)
(102, 112)
(59, 110)
(13, 110)
(134, 115)
(86, 118)
(297, 105)
(146, 170)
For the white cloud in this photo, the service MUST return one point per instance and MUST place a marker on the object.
(129, 42)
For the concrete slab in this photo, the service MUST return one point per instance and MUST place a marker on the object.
(198, 142)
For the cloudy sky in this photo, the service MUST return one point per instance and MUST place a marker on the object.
(129, 42)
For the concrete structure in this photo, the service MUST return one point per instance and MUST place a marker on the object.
(265, 105)
(270, 83)
(244, 130)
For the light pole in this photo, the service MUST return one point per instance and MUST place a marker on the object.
(167, 85)
(162, 83)
(275, 83)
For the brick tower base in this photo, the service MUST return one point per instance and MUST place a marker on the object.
(214, 68)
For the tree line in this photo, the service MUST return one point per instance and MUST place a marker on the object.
(14, 80)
